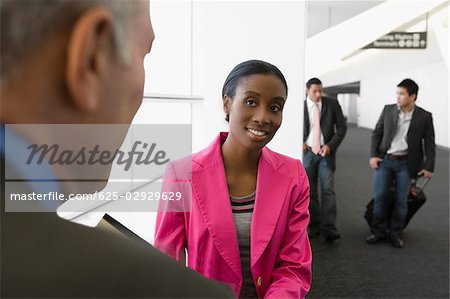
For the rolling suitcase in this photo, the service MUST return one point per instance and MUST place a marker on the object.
(415, 202)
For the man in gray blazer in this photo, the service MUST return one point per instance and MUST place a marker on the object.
(324, 129)
(402, 149)
(75, 62)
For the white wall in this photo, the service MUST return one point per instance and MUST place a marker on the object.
(323, 14)
(168, 67)
(229, 32)
(349, 102)
(379, 72)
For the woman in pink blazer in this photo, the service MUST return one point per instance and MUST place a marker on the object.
(246, 219)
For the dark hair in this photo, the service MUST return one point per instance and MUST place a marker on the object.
(313, 81)
(410, 86)
(248, 68)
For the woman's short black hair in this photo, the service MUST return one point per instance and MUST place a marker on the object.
(248, 68)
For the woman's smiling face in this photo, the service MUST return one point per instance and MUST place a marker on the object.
(255, 112)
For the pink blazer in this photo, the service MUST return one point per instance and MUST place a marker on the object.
(280, 250)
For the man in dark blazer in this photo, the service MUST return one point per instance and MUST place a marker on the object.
(321, 140)
(69, 67)
(402, 149)
(44, 256)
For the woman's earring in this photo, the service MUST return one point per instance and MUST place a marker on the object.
(227, 118)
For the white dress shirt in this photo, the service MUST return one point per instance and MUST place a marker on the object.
(310, 106)
(399, 145)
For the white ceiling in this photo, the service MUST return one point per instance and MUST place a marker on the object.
(325, 14)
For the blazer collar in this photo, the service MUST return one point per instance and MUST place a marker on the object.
(414, 118)
(311, 103)
(306, 115)
(324, 107)
(210, 188)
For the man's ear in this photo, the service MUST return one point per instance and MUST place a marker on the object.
(227, 104)
(88, 55)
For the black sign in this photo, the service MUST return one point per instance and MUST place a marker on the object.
(400, 40)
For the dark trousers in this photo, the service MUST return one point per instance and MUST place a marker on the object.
(322, 213)
(385, 175)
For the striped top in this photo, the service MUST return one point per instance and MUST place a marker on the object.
(243, 204)
(242, 208)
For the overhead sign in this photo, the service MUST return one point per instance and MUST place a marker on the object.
(400, 40)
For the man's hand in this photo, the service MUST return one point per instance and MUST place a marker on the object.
(374, 162)
(425, 173)
(305, 147)
(413, 191)
(325, 151)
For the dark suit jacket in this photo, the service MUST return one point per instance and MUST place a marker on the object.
(332, 124)
(420, 138)
(44, 256)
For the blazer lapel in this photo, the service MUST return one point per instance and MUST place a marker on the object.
(307, 121)
(323, 110)
(271, 191)
(394, 118)
(414, 119)
(211, 191)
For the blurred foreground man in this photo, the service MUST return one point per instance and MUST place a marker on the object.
(76, 62)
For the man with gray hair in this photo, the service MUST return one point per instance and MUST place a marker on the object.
(76, 62)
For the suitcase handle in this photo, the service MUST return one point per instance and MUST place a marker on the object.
(420, 183)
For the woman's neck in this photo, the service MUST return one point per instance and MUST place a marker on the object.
(237, 158)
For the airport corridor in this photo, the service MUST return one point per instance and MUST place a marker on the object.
(353, 269)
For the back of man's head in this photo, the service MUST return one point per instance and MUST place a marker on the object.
(76, 52)
(26, 25)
